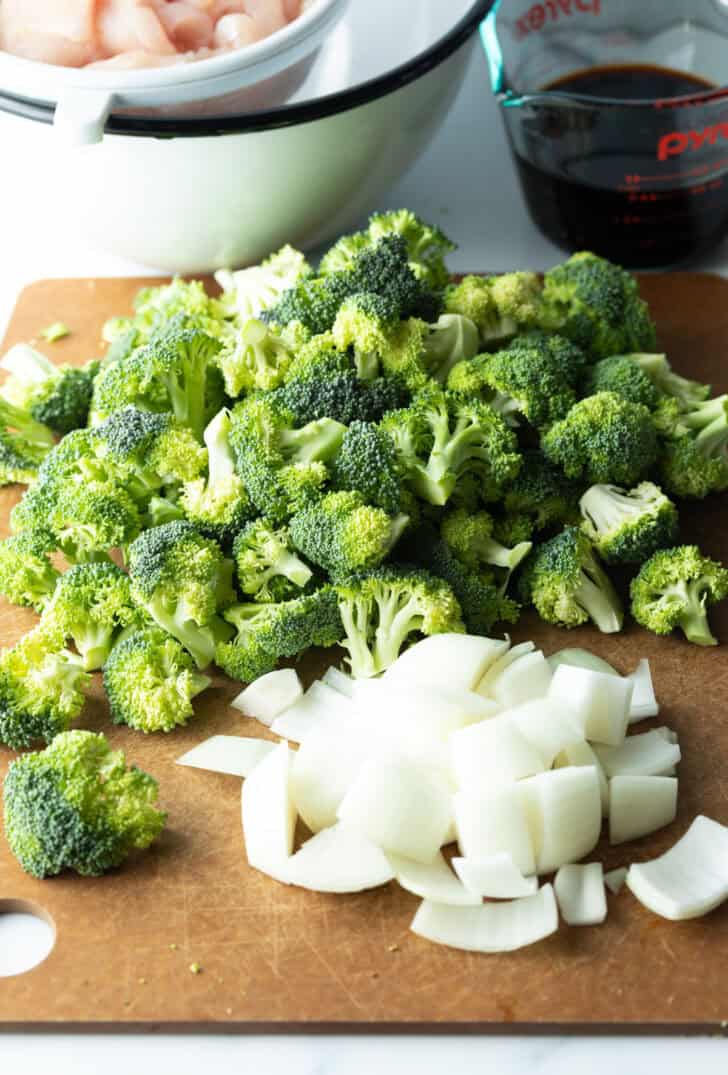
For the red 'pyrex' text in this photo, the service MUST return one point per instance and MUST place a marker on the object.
(550, 10)
(677, 142)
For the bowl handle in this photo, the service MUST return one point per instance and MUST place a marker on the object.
(81, 116)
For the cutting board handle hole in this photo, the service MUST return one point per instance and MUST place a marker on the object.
(27, 936)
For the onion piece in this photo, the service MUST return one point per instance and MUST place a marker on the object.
(580, 894)
(690, 879)
(581, 658)
(401, 807)
(318, 705)
(644, 704)
(461, 661)
(228, 754)
(268, 696)
(339, 681)
(614, 880)
(323, 770)
(564, 814)
(492, 927)
(523, 680)
(648, 754)
(268, 813)
(580, 754)
(499, 666)
(494, 822)
(338, 859)
(417, 711)
(667, 733)
(547, 725)
(639, 805)
(492, 752)
(600, 702)
(433, 881)
(495, 877)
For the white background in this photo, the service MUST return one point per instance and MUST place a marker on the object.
(466, 184)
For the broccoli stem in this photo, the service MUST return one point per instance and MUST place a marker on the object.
(599, 600)
(607, 507)
(319, 440)
(94, 646)
(355, 619)
(199, 641)
(694, 620)
(28, 366)
(290, 567)
(397, 618)
(221, 465)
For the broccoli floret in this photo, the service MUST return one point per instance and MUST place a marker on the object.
(184, 301)
(369, 325)
(27, 576)
(218, 505)
(160, 510)
(77, 460)
(344, 535)
(24, 443)
(268, 567)
(520, 381)
(367, 463)
(470, 536)
(256, 358)
(56, 396)
(568, 361)
(568, 586)
(76, 806)
(597, 305)
(41, 690)
(543, 492)
(674, 589)
(687, 393)
(440, 439)
(182, 580)
(452, 339)
(603, 439)
(269, 632)
(513, 529)
(247, 292)
(500, 306)
(623, 376)
(627, 527)
(283, 468)
(88, 521)
(694, 460)
(90, 604)
(150, 681)
(383, 610)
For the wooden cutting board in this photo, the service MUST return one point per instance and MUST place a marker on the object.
(274, 957)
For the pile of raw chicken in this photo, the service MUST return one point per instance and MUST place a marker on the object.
(127, 34)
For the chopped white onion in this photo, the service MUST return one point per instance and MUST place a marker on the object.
(564, 813)
(667, 733)
(691, 878)
(614, 880)
(229, 754)
(523, 679)
(339, 681)
(581, 658)
(270, 695)
(406, 715)
(433, 881)
(582, 753)
(492, 927)
(400, 807)
(600, 702)
(458, 660)
(324, 768)
(499, 666)
(495, 877)
(547, 725)
(648, 754)
(492, 752)
(639, 805)
(580, 894)
(269, 816)
(644, 704)
(338, 859)
(320, 704)
(494, 822)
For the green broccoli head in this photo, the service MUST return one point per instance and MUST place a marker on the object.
(41, 690)
(470, 536)
(513, 529)
(150, 681)
(628, 527)
(603, 439)
(183, 580)
(500, 306)
(76, 806)
(623, 376)
(268, 567)
(542, 491)
(565, 581)
(27, 576)
(368, 325)
(367, 464)
(344, 535)
(385, 609)
(247, 292)
(597, 305)
(254, 359)
(218, 505)
(58, 397)
(687, 393)
(674, 588)
(268, 632)
(694, 459)
(90, 604)
(184, 301)
(440, 438)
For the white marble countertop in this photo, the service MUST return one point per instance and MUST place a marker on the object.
(466, 183)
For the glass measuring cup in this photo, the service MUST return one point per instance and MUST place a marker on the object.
(617, 118)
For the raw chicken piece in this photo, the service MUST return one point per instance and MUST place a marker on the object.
(291, 9)
(188, 28)
(130, 26)
(235, 31)
(268, 15)
(61, 34)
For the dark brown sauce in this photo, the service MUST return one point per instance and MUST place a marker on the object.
(630, 82)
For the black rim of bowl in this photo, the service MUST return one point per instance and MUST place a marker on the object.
(284, 116)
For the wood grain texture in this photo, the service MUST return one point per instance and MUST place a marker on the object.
(277, 957)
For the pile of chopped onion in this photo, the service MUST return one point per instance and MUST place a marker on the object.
(514, 757)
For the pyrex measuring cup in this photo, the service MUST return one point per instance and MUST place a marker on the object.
(617, 117)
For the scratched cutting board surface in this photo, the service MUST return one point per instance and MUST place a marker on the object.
(277, 957)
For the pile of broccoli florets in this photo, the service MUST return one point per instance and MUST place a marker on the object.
(359, 455)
